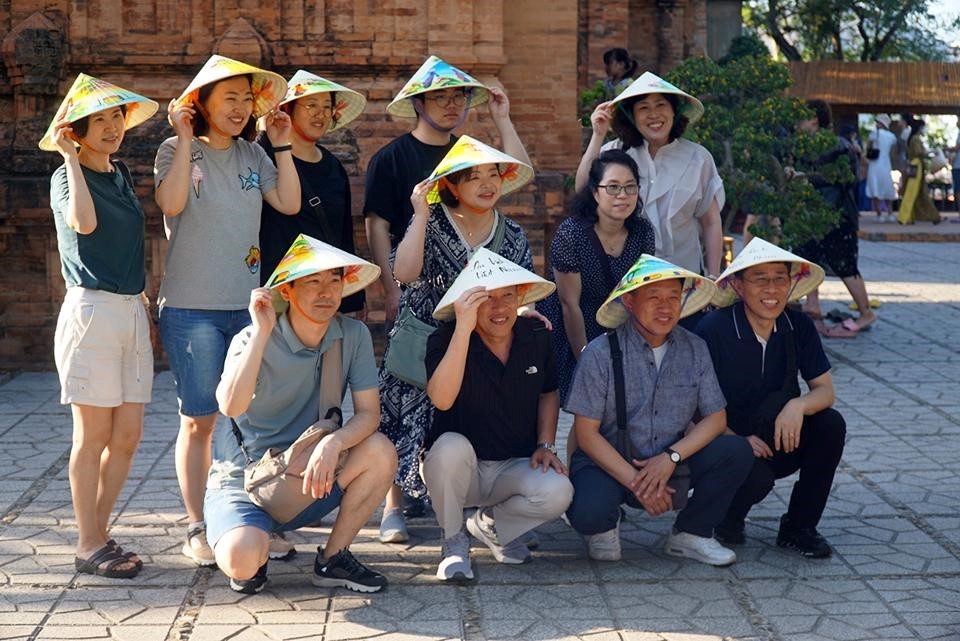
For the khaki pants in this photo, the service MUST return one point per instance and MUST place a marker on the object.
(522, 497)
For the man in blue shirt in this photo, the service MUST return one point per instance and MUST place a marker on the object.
(758, 349)
(672, 414)
(271, 389)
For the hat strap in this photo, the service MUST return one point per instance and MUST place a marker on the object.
(297, 130)
(430, 121)
(206, 115)
(288, 288)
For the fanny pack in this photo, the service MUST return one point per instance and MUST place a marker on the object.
(275, 482)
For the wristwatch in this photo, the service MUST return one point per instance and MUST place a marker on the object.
(547, 445)
(674, 456)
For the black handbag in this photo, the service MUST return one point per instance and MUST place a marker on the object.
(873, 153)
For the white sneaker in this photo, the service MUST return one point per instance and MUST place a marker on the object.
(704, 549)
(280, 548)
(197, 549)
(605, 546)
(393, 527)
(514, 552)
(455, 565)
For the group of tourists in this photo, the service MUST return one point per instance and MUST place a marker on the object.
(262, 319)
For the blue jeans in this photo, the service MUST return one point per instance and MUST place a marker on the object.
(716, 471)
(196, 342)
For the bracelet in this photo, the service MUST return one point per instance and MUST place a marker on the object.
(279, 148)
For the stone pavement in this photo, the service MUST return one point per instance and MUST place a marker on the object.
(893, 521)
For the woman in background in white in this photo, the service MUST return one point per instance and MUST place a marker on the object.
(880, 188)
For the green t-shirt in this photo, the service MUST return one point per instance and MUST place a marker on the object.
(111, 257)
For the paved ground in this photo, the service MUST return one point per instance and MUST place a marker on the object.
(893, 521)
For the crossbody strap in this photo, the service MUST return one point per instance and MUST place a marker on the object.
(620, 394)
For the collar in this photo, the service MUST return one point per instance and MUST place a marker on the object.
(742, 328)
(293, 342)
(632, 334)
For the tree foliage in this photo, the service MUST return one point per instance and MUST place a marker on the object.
(750, 128)
(852, 29)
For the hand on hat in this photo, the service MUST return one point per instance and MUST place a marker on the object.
(499, 103)
(602, 118)
(418, 198)
(63, 138)
(467, 305)
(278, 127)
(262, 314)
(180, 116)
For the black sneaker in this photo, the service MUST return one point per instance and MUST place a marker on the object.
(730, 532)
(344, 571)
(805, 540)
(414, 507)
(253, 585)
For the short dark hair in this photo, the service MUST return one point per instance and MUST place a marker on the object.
(80, 127)
(619, 54)
(627, 131)
(200, 125)
(585, 204)
(457, 177)
(822, 111)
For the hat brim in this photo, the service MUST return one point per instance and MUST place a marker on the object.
(269, 88)
(513, 176)
(693, 109)
(696, 294)
(139, 110)
(536, 292)
(401, 107)
(804, 275)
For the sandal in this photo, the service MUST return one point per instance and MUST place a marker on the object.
(837, 316)
(130, 555)
(200, 553)
(109, 555)
(834, 331)
(850, 325)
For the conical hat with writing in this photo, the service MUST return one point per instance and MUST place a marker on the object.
(804, 275)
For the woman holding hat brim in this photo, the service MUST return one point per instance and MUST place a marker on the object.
(681, 191)
(316, 107)
(438, 243)
(211, 184)
(102, 345)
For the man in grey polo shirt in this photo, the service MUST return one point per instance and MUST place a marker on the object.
(670, 436)
(271, 388)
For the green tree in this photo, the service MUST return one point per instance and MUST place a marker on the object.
(750, 128)
(852, 29)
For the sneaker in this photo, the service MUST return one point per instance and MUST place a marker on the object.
(455, 564)
(484, 529)
(805, 540)
(414, 507)
(730, 532)
(253, 585)
(393, 527)
(196, 547)
(344, 571)
(702, 548)
(280, 548)
(530, 539)
(605, 546)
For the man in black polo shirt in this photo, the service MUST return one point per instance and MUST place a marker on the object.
(758, 347)
(493, 381)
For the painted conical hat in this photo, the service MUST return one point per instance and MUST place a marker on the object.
(432, 75)
(492, 271)
(652, 83)
(349, 105)
(696, 290)
(469, 152)
(88, 95)
(308, 255)
(805, 276)
(268, 87)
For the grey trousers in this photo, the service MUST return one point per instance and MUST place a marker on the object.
(521, 497)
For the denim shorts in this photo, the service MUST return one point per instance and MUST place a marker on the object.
(229, 507)
(196, 342)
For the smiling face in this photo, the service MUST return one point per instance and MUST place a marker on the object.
(655, 309)
(104, 131)
(230, 104)
(617, 207)
(318, 294)
(444, 106)
(313, 115)
(479, 188)
(497, 315)
(763, 289)
(653, 117)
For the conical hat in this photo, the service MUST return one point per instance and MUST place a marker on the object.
(492, 271)
(308, 256)
(88, 95)
(696, 290)
(349, 105)
(652, 83)
(806, 276)
(432, 75)
(469, 152)
(268, 87)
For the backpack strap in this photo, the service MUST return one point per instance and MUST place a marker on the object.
(331, 387)
(620, 395)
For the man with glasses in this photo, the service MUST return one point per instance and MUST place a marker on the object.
(758, 348)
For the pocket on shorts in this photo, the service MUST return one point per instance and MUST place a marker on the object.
(78, 380)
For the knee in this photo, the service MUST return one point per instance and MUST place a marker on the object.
(452, 452)
(198, 427)
(828, 431)
(591, 513)
(759, 481)
(241, 551)
(124, 441)
(381, 454)
(553, 494)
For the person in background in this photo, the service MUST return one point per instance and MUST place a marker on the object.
(620, 69)
(916, 203)
(880, 189)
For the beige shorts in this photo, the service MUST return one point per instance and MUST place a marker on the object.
(102, 349)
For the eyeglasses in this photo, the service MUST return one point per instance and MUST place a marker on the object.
(765, 281)
(614, 190)
(313, 110)
(458, 99)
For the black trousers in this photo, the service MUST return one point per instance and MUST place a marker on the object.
(821, 445)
